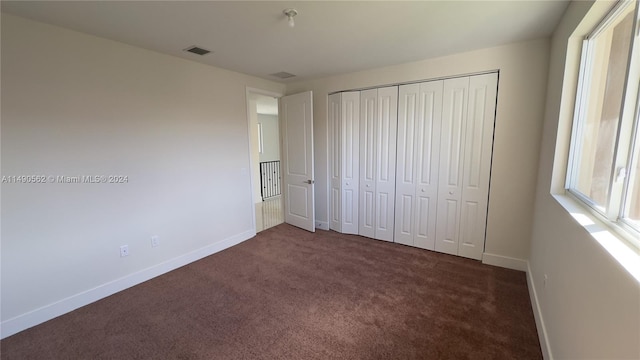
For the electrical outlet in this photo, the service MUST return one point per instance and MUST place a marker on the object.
(124, 250)
(155, 240)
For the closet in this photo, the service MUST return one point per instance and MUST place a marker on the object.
(417, 159)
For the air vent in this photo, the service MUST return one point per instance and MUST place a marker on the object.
(283, 75)
(197, 50)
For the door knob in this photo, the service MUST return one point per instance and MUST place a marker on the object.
(450, 192)
(310, 181)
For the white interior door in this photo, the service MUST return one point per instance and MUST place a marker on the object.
(427, 163)
(335, 156)
(405, 170)
(349, 160)
(368, 163)
(454, 113)
(387, 125)
(477, 164)
(344, 119)
(297, 158)
(419, 121)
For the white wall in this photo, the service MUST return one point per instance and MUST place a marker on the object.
(271, 137)
(590, 305)
(74, 104)
(521, 97)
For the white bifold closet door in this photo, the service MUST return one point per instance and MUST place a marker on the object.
(418, 153)
(378, 125)
(465, 163)
(344, 119)
(411, 164)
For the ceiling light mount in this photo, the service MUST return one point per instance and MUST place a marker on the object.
(290, 13)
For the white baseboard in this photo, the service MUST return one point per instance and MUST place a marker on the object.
(48, 312)
(322, 225)
(504, 261)
(537, 313)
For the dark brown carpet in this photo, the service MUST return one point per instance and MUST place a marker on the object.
(290, 294)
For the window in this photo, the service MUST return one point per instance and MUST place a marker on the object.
(604, 170)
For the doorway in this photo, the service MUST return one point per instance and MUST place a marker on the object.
(266, 178)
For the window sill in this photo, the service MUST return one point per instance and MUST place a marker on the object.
(620, 247)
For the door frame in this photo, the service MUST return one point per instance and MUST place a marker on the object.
(248, 92)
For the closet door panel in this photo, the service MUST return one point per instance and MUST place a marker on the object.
(405, 216)
(404, 219)
(447, 227)
(425, 224)
(454, 113)
(427, 154)
(368, 163)
(477, 164)
(387, 123)
(334, 112)
(349, 160)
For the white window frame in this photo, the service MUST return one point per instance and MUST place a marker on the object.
(628, 132)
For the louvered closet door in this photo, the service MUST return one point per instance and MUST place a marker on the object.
(386, 162)
(477, 164)
(418, 150)
(349, 160)
(368, 163)
(334, 113)
(454, 113)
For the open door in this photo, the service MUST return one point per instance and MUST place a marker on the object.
(296, 114)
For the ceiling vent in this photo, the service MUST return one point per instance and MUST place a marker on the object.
(283, 75)
(197, 50)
